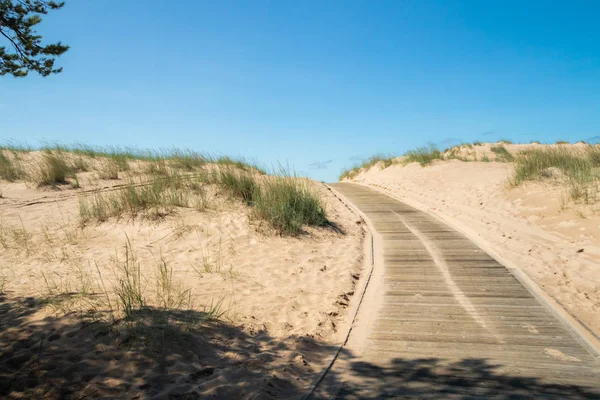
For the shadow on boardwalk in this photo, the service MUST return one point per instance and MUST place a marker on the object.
(68, 358)
(433, 378)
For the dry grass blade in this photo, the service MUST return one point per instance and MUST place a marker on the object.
(10, 168)
(52, 169)
(579, 168)
(424, 155)
(502, 154)
(385, 160)
(129, 283)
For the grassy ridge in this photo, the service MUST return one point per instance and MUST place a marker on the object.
(166, 180)
(115, 158)
(285, 202)
(502, 154)
(424, 155)
(351, 172)
(578, 167)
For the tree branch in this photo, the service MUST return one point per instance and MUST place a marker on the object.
(17, 48)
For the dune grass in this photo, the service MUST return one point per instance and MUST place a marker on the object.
(239, 183)
(154, 198)
(175, 178)
(52, 169)
(562, 142)
(109, 170)
(454, 153)
(119, 158)
(424, 155)
(351, 172)
(579, 169)
(284, 201)
(10, 168)
(502, 154)
(288, 203)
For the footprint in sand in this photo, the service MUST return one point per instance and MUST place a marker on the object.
(559, 355)
(531, 328)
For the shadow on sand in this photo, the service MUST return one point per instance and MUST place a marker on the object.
(71, 358)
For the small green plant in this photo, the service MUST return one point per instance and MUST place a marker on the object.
(3, 282)
(109, 170)
(169, 294)
(424, 155)
(239, 183)
(505, 141)
(52, 170)
(485, 159)
(186, 159)
(79, 165)
(385, 160)
(152, 199)
(15, 237)
(559, 142)
(10, 169)
(238, 163)
(502, 154)
(158, 167)
(288, 203)
(578, 168)
(349, 173)
(129, 283)
(477, 143)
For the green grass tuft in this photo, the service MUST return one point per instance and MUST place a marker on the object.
(351, 172)
(579, 169)
(288, 203)
(10, 168)
(424, 155)
(502, 154)
(155, 198)
(52, 170)
(240, 184)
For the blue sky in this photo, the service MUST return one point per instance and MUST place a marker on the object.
(313, 84)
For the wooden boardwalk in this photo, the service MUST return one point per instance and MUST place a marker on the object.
(454, 323)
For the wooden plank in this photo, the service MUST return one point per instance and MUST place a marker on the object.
(467, 320)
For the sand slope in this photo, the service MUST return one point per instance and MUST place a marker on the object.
(282, 300)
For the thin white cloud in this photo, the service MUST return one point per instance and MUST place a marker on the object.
(320, 164)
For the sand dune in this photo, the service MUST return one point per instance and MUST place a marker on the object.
(555, 241)
(281, 300)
